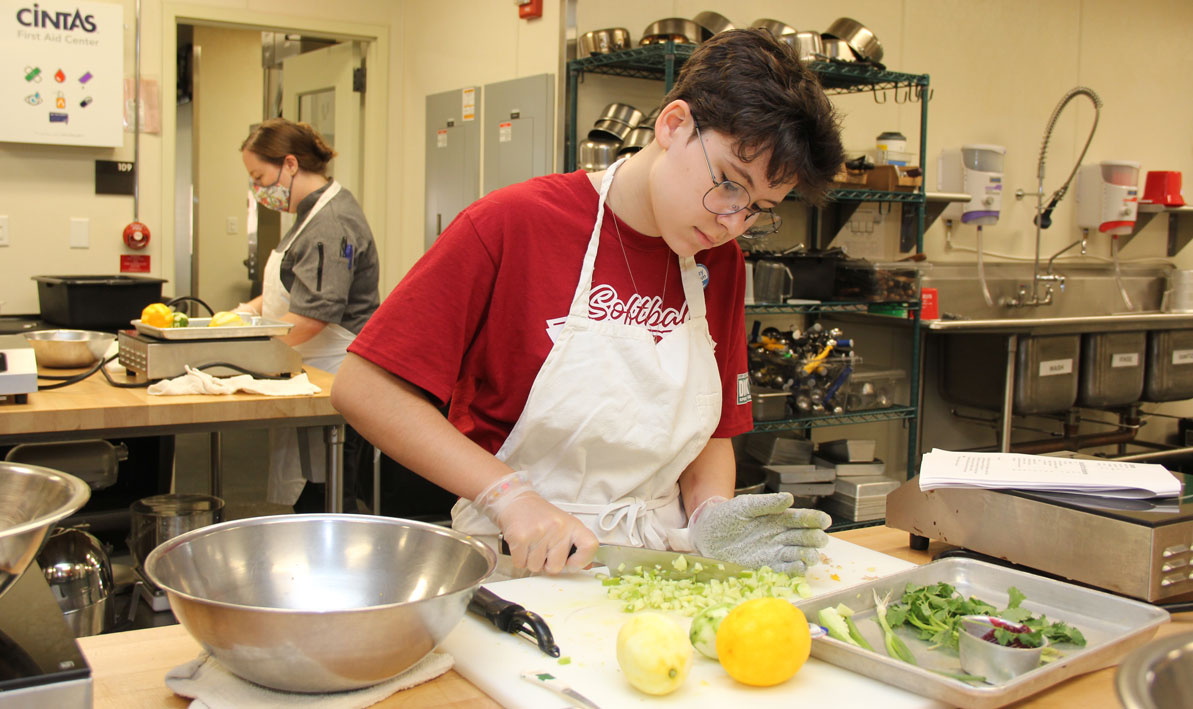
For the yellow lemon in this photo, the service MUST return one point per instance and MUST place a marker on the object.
(653, 653)
(224, 318)
(157, 315)
(763, 642)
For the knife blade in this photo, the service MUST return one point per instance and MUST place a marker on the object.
(622, 560)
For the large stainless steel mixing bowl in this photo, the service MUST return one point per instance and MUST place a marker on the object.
(320, 602)
(32, 500)
(66, 349)
(1158, 675)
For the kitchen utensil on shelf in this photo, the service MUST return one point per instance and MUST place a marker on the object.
(94, 461)
(858, 37)
(837, 49)
(808, 45)
(320, 602)
(512, 618)
(671, 29)
(773, 281)
(32, 499)
(79, 573)
(711, 23)
(1163, 187)
(159, 518)
(780, 30)
(67, 349)
(615, 122)
(604, 41)
(596, 155)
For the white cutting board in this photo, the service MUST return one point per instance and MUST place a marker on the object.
(585, 624)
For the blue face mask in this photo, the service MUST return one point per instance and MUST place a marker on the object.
(275, 196)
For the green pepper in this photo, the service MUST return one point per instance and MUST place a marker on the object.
(180, 320)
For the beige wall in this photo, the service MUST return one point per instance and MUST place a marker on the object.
(998, 68)
(228, 100)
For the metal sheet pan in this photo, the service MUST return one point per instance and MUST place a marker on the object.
(1112, 627)
(198, 329)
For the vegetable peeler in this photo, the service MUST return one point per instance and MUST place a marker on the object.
(512, 618)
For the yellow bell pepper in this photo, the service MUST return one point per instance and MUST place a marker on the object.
(158, 315)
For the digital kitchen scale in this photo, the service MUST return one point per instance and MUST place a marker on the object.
(1139, 548)
(18, 369)
(40, 662)
(148, 357)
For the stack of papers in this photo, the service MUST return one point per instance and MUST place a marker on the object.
(1018, 471)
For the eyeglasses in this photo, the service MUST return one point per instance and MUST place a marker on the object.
(729, 197)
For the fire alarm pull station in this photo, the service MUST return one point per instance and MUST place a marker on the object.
(529, 9)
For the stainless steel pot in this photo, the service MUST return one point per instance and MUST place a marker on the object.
(837, 49)
(67, 349)
(674, 29)
(779, 29)
(79, 574)
(636, 140)
(160, 518)
(711, 23)
(808, 45)
(615, 122)
(603, 41)
(858, 37)
(596, 155)
(751, 480)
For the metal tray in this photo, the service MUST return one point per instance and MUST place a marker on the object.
(1112, 627)
(198, 329)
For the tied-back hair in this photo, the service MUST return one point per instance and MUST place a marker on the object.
(753, 89)
(276, 138)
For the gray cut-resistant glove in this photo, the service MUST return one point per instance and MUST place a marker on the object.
(760, 530)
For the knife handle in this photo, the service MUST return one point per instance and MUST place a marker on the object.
(505, 547)
(496, 609)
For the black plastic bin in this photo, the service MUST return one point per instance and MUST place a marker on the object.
(95, 302)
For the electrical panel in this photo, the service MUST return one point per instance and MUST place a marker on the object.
(519, 130)
(453, 158)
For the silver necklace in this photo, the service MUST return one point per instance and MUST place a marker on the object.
(666, 263)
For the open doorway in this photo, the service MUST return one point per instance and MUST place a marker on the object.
(231, 78)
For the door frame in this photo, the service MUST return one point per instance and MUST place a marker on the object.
(374, 175)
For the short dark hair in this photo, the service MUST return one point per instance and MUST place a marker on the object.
(273, 139)
(751, 87)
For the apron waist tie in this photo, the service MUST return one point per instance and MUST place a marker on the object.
(625, 512)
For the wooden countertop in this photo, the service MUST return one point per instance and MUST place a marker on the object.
(128, 668)
(93, 407)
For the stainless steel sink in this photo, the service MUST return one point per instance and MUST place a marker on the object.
(1158, 675)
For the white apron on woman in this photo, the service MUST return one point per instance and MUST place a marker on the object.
(613, 417)
(299, 454)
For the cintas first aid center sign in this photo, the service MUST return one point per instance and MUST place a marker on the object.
(61, 72)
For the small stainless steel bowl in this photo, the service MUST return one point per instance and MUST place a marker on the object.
(808, 45)
(837, 49)
(615, 122)
(712, 23)
(997, 663)
(676, 29)
(858, 37)
(636, 140)
(596, 155)
(67, 349)
(1157, 675)
(779, 29)
(750, 480)
(320, 602)
(604, 41)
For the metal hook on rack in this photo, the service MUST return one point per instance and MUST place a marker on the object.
(919, 94)
(874, 94)
(906, 97)
(913, 94)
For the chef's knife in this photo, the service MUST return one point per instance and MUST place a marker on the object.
(623, 560)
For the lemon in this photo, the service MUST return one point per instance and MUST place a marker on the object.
(225, 318)
(763, 642)
(653, 653)
(157, 315)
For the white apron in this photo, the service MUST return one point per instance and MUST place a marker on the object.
(613, 417)
(299, 454)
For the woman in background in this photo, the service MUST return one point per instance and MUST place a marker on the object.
(322, 277)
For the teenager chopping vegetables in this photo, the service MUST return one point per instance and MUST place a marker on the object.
(589, 333)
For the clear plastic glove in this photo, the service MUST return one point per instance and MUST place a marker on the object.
(760, 530)
(539, 534)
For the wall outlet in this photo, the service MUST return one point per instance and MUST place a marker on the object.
(80, 233)
(4, 230)
(231, 226)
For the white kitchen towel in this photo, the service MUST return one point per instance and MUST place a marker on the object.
(198, 382)
(205, 681)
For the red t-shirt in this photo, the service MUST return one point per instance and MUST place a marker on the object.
(470, 322)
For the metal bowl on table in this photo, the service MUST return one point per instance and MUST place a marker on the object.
(1158, 675)
(672, 29)
(32, 500)
(79, 573)
(66, 349)
(604, 41)
(860, 39)
(320, 602)
(711, 23)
